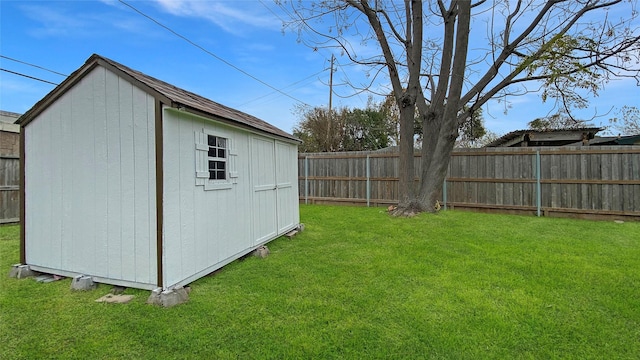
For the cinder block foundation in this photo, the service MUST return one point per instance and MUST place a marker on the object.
(20, 271)
(261, 252)
(83, 283)
(168, 298)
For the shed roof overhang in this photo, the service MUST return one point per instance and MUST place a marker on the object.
(164, 92)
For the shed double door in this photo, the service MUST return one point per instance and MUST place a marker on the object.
(272, 176)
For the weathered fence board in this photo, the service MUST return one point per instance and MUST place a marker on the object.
(572, 180)
(9, 189)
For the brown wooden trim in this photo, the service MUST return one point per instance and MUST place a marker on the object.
(159, 191)
(233, 123)
(93, 62)
(56, 93)
(135, 82)
(23, 247)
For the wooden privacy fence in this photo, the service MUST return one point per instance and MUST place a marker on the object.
(575, 181)
(9, 189)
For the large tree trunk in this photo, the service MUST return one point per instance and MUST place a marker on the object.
(440, 119)
(435, 161)
(406, 168)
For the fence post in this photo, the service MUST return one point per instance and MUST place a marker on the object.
(368, 182)
(306, 179)
(538, 189)
(444, 193)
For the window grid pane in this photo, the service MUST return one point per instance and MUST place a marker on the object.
(217, 157)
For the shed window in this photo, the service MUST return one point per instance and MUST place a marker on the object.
(217, 156)
(216, 162)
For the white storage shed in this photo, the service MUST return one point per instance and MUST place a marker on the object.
(138, 183)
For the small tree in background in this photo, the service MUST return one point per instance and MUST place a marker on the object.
(627, 121)
(343, 130)
(560, 120)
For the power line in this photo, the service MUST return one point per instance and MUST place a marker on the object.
(271, 11)
(288, 86)
(27, 76)
(319, 49)
(209, 52)
(35, 66)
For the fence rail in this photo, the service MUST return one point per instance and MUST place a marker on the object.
(578, 181)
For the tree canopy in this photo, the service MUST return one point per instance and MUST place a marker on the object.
(627, 121)
(343, 129)
(423, 52)
(558, 121)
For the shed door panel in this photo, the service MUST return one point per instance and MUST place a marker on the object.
(263, 173)
(285, 156)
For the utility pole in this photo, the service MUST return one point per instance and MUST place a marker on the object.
(330, 98)
(331, 83)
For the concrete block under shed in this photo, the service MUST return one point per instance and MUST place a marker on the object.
(20, 271)
(168, 298)
(83, 283)
(261, 252)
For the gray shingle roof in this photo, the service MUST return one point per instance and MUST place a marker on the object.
(160, 89)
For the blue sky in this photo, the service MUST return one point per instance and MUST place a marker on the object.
(61, 35)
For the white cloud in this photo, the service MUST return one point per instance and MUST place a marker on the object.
(110, 2)
(232, 17)
(66, 21)
(54, 22)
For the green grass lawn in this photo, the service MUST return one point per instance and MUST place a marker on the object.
(359, 284)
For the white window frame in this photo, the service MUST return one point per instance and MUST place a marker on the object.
(216, 148)
(202, 161)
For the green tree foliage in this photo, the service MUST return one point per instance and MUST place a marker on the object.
(343, 130)
(560, 120)
(627, 121)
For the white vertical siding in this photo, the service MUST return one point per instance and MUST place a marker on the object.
(90, 180)
(201, 227)
(82, 241)
(114, 185)
(205, 229)
(287, 181)
(127, 179)
(263, 178)
(100, 156)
